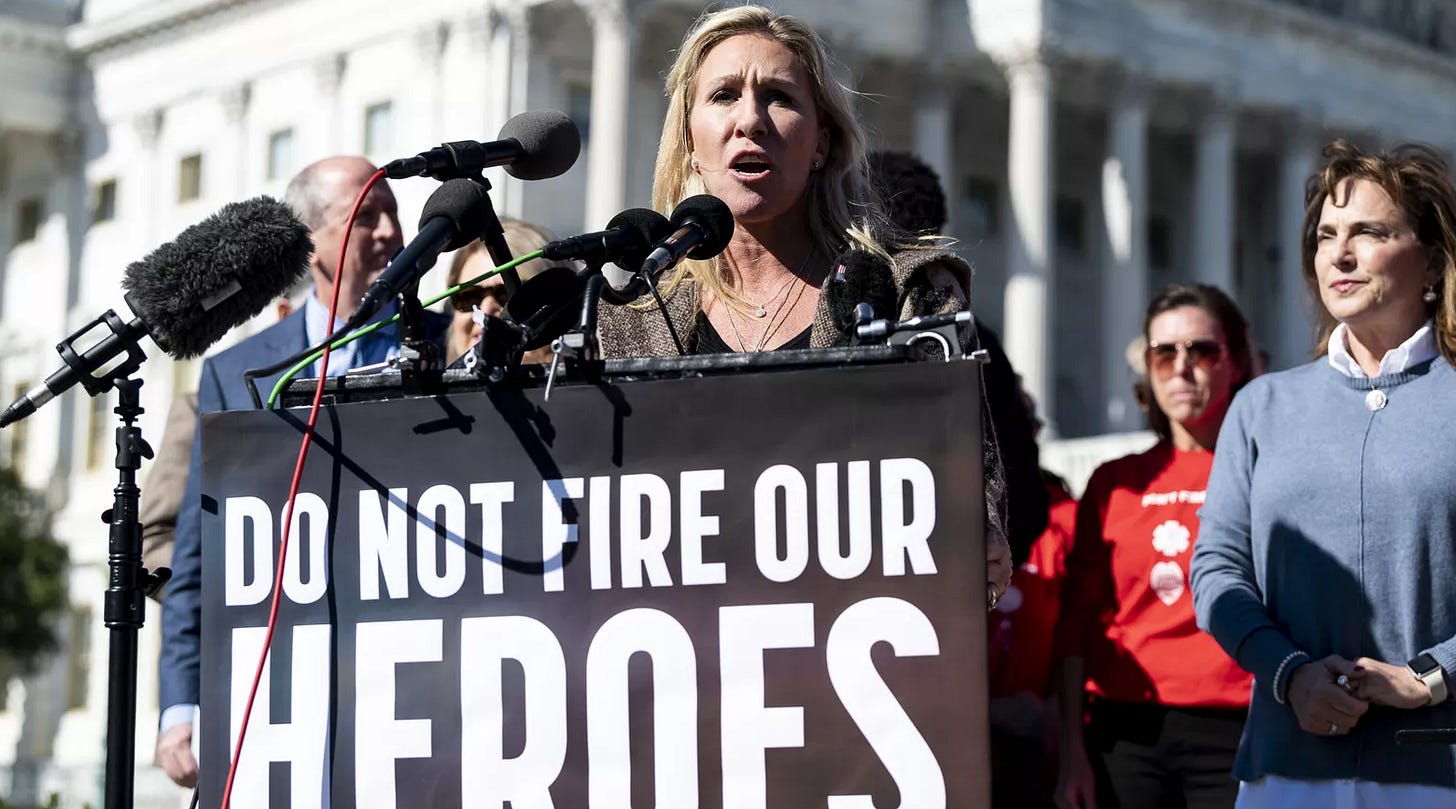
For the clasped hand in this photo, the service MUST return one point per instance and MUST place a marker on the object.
(1326, 707)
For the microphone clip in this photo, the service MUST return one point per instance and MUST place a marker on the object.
(929, 337)
(87, 363)
(418, 355)
(499, 349)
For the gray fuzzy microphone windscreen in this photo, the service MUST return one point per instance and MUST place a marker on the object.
(550, 144)
(217, 274)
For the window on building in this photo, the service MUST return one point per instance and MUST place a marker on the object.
(378, 128)
(1070, 224)
(78, 658)
(189, 178)
(578, 106)
(100, 433)
(103, 201)
(978, 214)
(280, 154)
(28, 219)
(19, 435)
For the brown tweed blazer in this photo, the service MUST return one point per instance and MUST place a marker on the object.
(928, 281)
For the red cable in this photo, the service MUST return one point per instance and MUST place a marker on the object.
(318, 395)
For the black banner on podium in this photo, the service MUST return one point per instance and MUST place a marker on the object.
(760, 590)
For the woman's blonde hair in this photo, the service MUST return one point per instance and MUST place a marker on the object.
(842, 205)
(1418, 180)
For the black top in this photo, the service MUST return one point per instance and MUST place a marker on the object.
(711, 342)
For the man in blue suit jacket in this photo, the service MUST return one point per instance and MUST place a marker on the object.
(322, 196)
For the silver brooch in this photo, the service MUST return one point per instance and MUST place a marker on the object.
(1376, 400)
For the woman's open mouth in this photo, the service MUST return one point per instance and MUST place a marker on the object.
(750, 168)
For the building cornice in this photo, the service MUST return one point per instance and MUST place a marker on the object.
(148, 19)
(21, 36)
(1379, 46)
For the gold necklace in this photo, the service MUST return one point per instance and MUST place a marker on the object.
(769, 328)
(784, 312)
(761, 310)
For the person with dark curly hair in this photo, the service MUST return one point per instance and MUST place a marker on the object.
(910, 190)
(912, 199)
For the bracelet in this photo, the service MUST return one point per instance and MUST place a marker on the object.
(1279, 694)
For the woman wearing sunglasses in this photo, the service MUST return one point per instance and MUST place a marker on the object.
(1167, 705)
(490, 295)
(1327, 564)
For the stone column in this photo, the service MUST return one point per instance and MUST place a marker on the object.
(235, 102)
(145, 193)
(328, 74)
(430, 43)
(71, 201)
(612, 59)
(1125, 274)
(1213, 192)
(502, 37)
(1030, 169)
(935, 136)
(1299, 156)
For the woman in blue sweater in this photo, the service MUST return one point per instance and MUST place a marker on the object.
(1326, 561)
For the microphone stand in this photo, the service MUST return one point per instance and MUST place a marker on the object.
(124, 605)
(493, 236)
(420, 361)
(124, 609)
(580, 344)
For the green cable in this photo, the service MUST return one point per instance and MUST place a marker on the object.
(372, 327)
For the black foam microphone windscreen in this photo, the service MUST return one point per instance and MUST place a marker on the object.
(651, 225)
(465, 204)
(714, 214)
(217, 274)
(550, 144)
(703, 227)
(860, 277)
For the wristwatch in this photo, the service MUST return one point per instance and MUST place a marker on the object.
(1428, 671)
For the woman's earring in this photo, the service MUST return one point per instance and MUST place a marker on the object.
(818, 164)
(1429, 296)
(695, 164)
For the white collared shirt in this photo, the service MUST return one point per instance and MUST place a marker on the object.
(1417, 348)
(341, 359)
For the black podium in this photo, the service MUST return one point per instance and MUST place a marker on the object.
(676, 584)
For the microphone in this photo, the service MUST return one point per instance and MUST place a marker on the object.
(454, 215)
(860, 277)
(186, 295)
(546, 306)
(625, 242)
(535, 145)
(704, 226)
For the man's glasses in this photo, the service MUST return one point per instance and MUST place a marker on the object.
(1162, 357)
(470, 297)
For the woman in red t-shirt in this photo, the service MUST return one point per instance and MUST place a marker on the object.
(1167, 705)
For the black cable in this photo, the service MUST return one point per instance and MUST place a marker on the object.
(287, 362)
(662, 307)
